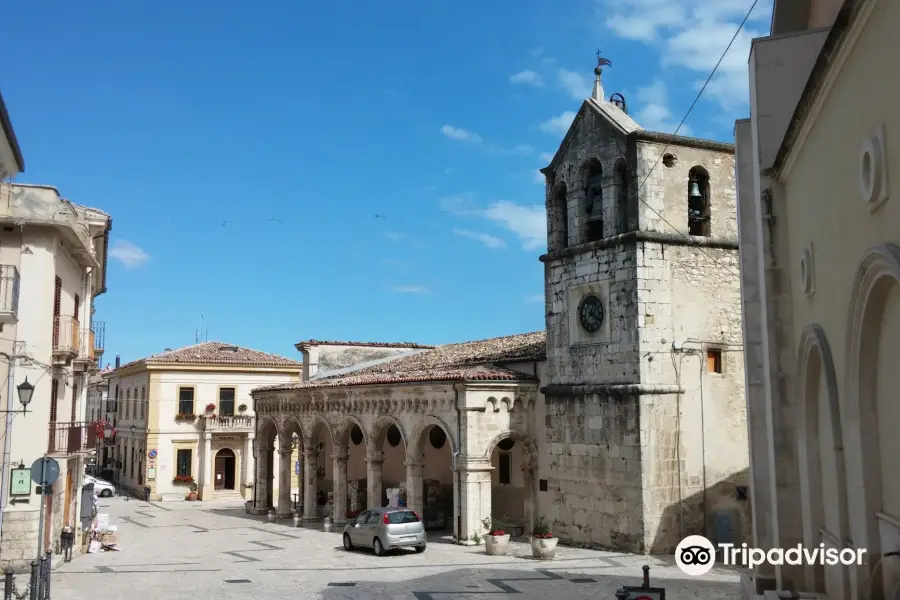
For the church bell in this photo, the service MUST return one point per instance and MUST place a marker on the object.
(694, 190)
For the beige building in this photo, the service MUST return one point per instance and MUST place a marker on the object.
(624, 426)
(11, 160)
(820, 268)
(52, 266)
(185, 416)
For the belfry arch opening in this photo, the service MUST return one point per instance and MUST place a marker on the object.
(560, 217)
(593, 200)
(699, 212)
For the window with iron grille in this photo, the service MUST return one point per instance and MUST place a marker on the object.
(183, 462)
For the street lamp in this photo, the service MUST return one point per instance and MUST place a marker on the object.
(25, 390)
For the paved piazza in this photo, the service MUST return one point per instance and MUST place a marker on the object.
(191, 551)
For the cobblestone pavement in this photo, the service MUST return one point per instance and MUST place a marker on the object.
(195, 551)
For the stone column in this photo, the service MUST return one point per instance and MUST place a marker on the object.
(261, 485)
(374, 463)
(248, 466)
(339, 514)
(475, 501)
(284, 482)
(415, 499)
(311, 484)
(206, 468)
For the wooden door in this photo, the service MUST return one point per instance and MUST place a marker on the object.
(67, 504)
(220, 473)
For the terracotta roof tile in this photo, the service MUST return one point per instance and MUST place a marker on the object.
(309, 343)
(478, 360)
(216, 354)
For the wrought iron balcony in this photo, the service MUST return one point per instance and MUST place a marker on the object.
(72, 438)
(9, 294)
(66, 338)
(99, 343)
(237, 423)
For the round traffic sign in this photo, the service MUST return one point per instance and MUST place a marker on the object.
(152, 453)
(45, 471)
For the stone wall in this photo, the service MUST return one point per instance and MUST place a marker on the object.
(595, 471)
(19, 544)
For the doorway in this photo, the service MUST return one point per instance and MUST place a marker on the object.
(225, 467)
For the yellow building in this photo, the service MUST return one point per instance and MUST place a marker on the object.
(185, 416)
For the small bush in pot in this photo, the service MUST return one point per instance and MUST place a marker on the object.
(242, 408)
(543, 542)
(496, 539)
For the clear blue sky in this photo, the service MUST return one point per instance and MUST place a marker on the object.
(295, 123)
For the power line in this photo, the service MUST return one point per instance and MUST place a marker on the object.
(677, 129)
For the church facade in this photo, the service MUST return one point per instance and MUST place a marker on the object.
(623, 425)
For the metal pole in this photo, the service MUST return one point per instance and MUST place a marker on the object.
(49, 570)
(7, 433)
(33, 586)
(41, 504)
(42, 578)
(8, 584)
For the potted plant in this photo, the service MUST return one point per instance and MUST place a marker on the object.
(496, 539)
(242, 408)
(543, 543)
(210, 408)
(192, 494)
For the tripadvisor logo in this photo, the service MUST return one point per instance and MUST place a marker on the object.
(696, 555)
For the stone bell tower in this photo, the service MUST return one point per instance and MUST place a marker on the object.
(645, 382)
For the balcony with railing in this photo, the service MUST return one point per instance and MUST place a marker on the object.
(99, 339)
(66, 338)
(237, 423)
(72, 438)
(9, 294)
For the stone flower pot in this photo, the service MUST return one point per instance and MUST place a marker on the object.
(495, 545)
(544, 548)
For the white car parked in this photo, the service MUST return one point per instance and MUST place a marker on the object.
(104, 489)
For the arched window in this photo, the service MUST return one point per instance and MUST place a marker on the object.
(698, 202)
(593, 200)
(621, 173)
(559, 217)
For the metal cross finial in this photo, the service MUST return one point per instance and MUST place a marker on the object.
(602, 61)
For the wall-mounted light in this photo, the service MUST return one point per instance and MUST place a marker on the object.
(25, 390)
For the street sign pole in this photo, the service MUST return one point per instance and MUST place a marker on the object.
(43, 509)
(44, 472)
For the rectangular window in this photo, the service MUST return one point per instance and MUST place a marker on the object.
(128, 403)
(183, 462)
(226, 402)
(185, 401)
(77, 306)
(504, 469)
(714, 361)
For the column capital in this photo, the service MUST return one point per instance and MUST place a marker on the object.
(341, 458)
(207, 437)
(285, 451)
(413, 463)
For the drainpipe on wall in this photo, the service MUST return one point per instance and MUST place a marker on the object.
(7, 442)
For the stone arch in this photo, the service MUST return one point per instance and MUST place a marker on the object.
(346, 426)
(380, 429)
(815, 363)
(527, 443)
(877, 275)
(319, 424)
(291, 426)
(417, 437)
(267, 427)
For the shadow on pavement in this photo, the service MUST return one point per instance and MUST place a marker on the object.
(547, 581)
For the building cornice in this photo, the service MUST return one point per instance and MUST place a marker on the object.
(842, 38)
(633, 237)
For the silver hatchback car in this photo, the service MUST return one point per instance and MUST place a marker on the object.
(384, 529)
